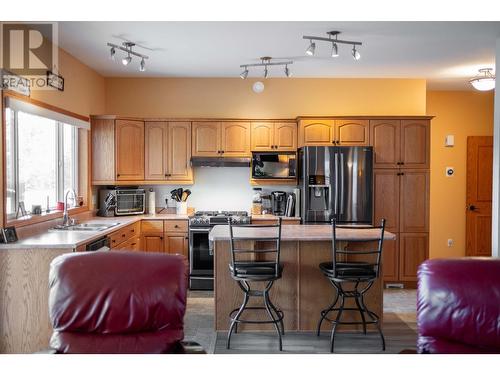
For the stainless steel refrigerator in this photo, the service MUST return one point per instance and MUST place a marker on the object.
(336, 182)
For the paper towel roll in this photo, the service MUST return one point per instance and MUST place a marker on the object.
(151, 202)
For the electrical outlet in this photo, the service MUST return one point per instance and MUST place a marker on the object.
(450, 242)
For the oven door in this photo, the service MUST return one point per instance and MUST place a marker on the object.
(201, 257)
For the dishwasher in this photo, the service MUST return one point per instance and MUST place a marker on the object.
(101, 244)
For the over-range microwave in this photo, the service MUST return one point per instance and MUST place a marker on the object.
(273, 165)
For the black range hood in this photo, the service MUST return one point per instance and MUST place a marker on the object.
(219, 162)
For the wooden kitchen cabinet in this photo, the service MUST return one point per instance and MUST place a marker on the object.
(168, 151)
(103, 151)
(352, 132)
(414, 201)
(156, 135)
(386, 186)
(386, 140)
(235, 139)
(129, 150)
(177, 243)
(415, 143)
(390, 260)
(413, 250)
(206, 139)
(152, 243)
(316, 132)
(270, 136)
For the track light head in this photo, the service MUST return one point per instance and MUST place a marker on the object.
(112, 53)
(244, 74)
(311, 49)
(142, 67)
(288, 73)
(126, 60)
(355, 54)
(335, 50)
(266, 72)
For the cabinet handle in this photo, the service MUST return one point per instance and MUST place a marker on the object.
(186, 238)
(161, 238)
(222, 151)
(402, 173)
(118, 175)
(176, 226)
(123, 235)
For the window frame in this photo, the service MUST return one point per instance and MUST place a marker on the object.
(59, 163)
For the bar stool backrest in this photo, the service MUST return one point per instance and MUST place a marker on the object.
(373, 250)
(269, 235)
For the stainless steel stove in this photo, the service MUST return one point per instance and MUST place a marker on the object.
(201, 257)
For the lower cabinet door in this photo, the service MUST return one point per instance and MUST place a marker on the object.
(176, 243)
(390, 260)
(152, 243)
(413, 250)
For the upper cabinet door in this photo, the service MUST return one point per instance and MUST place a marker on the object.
(385, 138)
(415, 143)
(285, 136)
(179, 151)
(156, 150)
(316, 132)
(129, 150)
(236, 139)
(352, 132)
(206, 138)
(262, 136)
(103, 151)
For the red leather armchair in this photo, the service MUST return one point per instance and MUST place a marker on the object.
(458, 308)
(117, 302)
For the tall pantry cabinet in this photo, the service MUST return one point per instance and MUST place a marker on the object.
(401, 193)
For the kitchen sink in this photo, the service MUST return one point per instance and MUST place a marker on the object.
(85, 227)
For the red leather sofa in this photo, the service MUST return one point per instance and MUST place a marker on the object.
(117, 302)
(458, 307)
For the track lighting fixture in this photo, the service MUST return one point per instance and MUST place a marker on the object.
(355, 54)
(244, 74)
(287, 71)
(266, 62)
(127, 48)
(485, 81)
(332, 38)
(311, 49)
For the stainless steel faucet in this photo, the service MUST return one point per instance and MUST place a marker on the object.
(66, 221)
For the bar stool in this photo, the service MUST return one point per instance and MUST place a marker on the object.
(341, 271)
(256, 269)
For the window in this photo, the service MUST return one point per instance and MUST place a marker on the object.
(41, 160)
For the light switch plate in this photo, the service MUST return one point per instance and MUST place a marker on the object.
(449, 141)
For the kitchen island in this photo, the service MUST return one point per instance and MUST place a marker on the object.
(303, 291)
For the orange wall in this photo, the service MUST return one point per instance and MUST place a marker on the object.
(462, 114)
(84, 89)
(282, 97)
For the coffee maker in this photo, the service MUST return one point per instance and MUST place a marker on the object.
(278, 202)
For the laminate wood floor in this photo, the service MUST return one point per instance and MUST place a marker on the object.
(399, 330)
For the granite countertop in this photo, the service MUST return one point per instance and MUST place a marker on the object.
(273, 217)
(299, 233)
(72, 239)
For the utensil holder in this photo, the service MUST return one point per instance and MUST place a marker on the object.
(182, 208)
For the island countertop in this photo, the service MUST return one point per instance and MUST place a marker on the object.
(302, 232)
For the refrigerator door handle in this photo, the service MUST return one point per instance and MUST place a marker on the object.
(342, 184)
(336, 201)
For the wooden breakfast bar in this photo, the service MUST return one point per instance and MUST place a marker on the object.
(303, 291)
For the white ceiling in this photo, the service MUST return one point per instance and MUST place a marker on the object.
(447, 54)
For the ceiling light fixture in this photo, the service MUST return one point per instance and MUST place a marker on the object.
(311, 49)
(484, 81)
(127, 48)
(332, 38)
(266, 62)
(244, 74)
